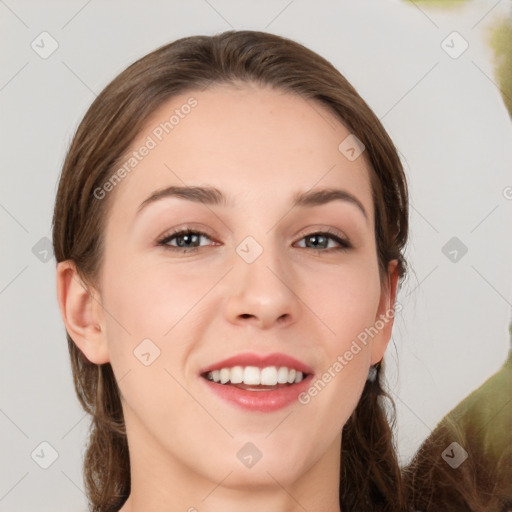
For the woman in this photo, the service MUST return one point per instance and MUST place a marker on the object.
(229, 229)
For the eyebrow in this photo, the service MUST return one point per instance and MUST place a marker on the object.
(215, 197)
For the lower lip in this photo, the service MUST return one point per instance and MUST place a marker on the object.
(262, 401)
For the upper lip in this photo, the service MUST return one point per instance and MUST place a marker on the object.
(259, 360)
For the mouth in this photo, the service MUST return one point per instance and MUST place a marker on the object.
(254, 382)
(238, 386)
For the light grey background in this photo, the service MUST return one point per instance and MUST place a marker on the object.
(444, 114)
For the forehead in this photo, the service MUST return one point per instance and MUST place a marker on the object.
(249, 141)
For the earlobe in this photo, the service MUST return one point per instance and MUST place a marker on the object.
(386, 313)
(81, 315)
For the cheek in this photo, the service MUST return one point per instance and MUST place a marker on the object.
(346, 304)
(154, 309)
(149, 301)
(350, 302)
(149, 339)
(345, 298)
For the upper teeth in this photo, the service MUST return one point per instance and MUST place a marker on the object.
(268, 376)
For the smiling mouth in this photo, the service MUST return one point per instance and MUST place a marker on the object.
(256, 387)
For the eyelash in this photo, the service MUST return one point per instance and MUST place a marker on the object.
(344, 244)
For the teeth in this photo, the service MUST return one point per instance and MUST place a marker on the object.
(282, 375)
(236, 375)
(224, 375)
(254, 376)
(269, 376)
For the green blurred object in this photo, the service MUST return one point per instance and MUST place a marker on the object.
(481, 425)
(500, 40)
(501, 43)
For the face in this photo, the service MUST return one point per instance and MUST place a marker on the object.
(254, 279)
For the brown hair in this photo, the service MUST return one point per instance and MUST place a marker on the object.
(370, 474)
(480, 484)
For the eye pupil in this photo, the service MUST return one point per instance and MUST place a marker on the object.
(183, 236)
(316, 238)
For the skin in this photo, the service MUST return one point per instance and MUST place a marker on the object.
(259, 146)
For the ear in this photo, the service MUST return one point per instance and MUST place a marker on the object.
(82, 312)
(385, 313)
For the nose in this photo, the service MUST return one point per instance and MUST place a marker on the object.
(262, 293)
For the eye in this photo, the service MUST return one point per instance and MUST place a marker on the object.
(188, 240)
(323, 238)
